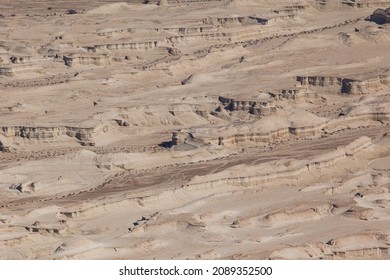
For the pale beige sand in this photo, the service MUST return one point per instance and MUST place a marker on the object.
(194, 130)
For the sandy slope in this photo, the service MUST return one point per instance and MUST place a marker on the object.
(194, 129)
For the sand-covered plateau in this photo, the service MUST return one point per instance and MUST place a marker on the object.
(195, 129)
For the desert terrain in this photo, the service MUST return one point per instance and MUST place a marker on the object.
(195, 129)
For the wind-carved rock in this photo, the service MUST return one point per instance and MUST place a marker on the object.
(187, 2)
(85, 136)
(86, 59)
(124, 46)
(26, 187)
(174, 51)
(243, 20)
(285, 172)
(322, 81)
(365, 3)
(291, 9)
(122, 122)
(380, 16)
(258, 108)
(181, 136)
(3, 148)
(47, 228)
(295, 94)
(163, 3)
(12, 70)
(20, 59)
(352, 86)
(347, 85)
(143, 221)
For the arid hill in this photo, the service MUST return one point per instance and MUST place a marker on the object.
(194, 129)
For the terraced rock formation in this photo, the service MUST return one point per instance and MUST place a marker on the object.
(380, 16)
(194, 129)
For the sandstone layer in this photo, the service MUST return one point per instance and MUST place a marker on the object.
(186, 129)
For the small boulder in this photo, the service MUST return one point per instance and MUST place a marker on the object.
(380, 16)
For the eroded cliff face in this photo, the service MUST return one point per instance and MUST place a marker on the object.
(124, 46)
(347, 85)
(84, 135)
(292, 172)
(366, 3)
(14, 70)
(258, 108)
(380, 16)
(173, 124)
(80, 59)
(319, 81)
(249, 20)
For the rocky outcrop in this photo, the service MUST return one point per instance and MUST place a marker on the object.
(350, 86)
(242, 20)
(293, 8)
(189, 2)
(287, 172)
(21, 59)
(178, 30)
(187, 80)
(192, 30)
(347, 85)
(174, 51)
(258, 108)
(366, 3)
(40, 81)
(181, 136)
(357, 246)
(3, 148)
(11, 71)
(319, 81)
(5, 144)
(380, 16)
(291, 132)
(45, 228)
(268, 137)
(7, 71)
(74, 11)
(257, 137)
(124, 46)
(296, 131)
(384, 80)
(215, 33)
(86, 59)
(85, 136)
(307, 131)
(299, 214)
(143, 221)
(122, 122)
(221, 35)
(26, 187)
(111, 32)
(296, 94)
